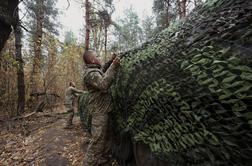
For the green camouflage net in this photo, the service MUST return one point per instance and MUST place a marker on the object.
(187, 93)
(85, 116)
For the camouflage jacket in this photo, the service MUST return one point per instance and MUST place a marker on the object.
(98, 84)
(70, 94)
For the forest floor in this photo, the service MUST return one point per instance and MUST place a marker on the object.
(42, 140)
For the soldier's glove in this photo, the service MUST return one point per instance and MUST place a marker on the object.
(114, 55)
(116, 61)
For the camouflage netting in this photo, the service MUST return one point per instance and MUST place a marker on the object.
(187, 94)
(85, 116)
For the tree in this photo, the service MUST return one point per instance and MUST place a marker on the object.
(149, 27)
(165, 12)
(98, 19)
(168, 11)
(20, 68)
(43, 14)
(69, 38)
(182, 8)
(8, 78)
(88, 24)
(130, 34)
(7, 20)
(50, 65)
(68, 66)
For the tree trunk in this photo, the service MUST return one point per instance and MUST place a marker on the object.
(167, 20)
(36, 70)
(7, 8)
(88, 25)
(5, 30)
(95, 38)
(50, 84)
(182, 9)
(20, 69)
(100, 40)
(106, 40)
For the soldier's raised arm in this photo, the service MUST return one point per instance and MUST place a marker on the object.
(107, 64)
(103, 82)
(76, 91)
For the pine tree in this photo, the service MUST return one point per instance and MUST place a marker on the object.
(88, 23)
(165, 12)
(7, 8)
(98, 20)
(168, 11)
(149, 27)
(42, 20)
(131, 33)
(20, 68)
(182, 8)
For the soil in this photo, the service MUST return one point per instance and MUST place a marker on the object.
(42, 140)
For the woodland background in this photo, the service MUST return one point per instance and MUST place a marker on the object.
(36, 66)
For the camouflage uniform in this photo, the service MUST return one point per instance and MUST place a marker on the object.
(99, 104)
(70, 94)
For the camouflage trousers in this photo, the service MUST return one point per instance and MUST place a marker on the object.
(98, 150)
(70, 110)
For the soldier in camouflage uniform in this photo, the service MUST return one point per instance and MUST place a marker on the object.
(99, 105)
(70, 94)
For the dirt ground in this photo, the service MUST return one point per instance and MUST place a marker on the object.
(42, 140)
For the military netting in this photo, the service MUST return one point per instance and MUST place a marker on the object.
(187, 93)
(85, 116)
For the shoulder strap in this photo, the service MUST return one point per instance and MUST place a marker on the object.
(91, 71)
(95, 70)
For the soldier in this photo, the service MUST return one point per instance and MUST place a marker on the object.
(70, 94)
(99, 105)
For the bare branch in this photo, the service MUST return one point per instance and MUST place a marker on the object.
(68, 4)
(24, 27)
(16, 9)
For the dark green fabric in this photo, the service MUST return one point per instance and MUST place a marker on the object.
(186, 94)
(85, 116)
